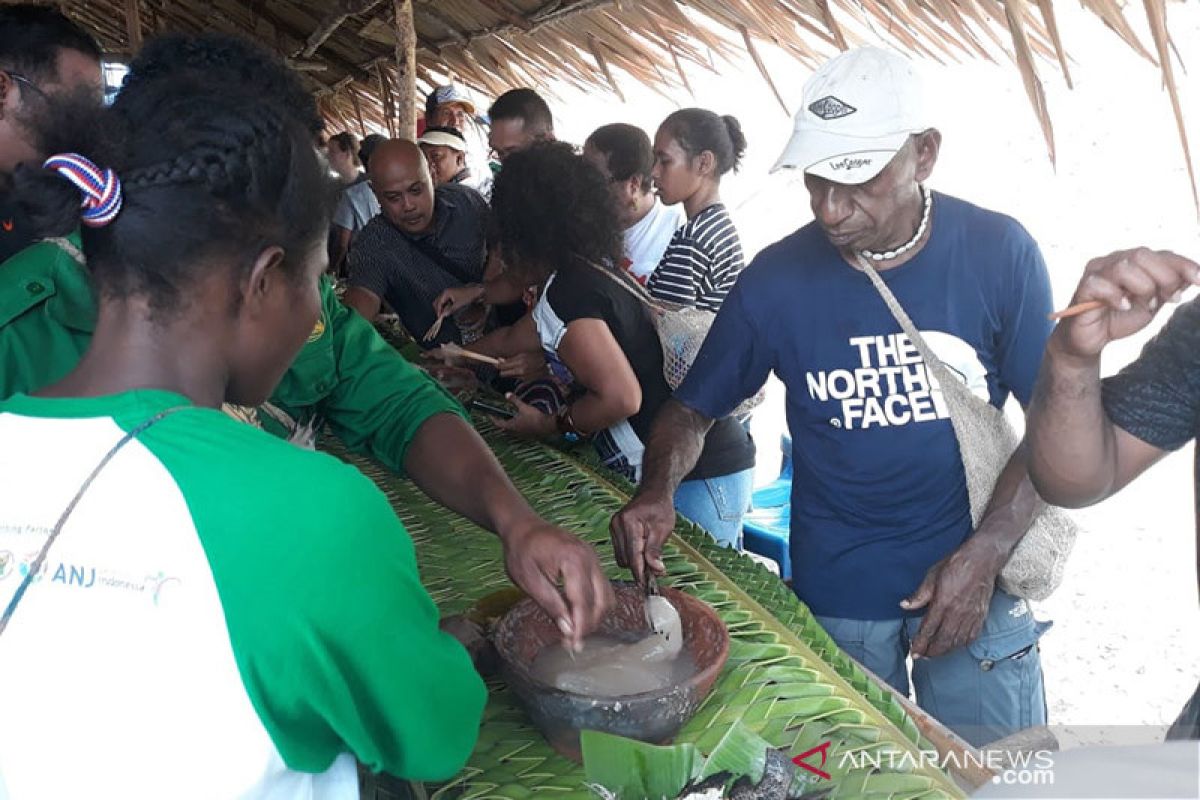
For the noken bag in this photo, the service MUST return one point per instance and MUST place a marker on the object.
(986, 442)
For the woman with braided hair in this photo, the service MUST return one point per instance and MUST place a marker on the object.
(345, 377)
(190, 606)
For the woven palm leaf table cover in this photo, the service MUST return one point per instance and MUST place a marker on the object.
(785, 678)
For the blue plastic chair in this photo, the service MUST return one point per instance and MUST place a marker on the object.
(766, 529)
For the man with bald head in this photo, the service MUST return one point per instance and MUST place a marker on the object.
(424, 241)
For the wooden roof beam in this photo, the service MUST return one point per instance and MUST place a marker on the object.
(553, 11)
(337, 62)
(509, 13)
(457, 35)
(342, 11)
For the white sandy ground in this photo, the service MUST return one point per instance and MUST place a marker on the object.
(1124, 649)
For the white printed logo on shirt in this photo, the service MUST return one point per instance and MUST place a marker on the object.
(891, 385)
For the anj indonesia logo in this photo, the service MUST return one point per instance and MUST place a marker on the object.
(81, 576)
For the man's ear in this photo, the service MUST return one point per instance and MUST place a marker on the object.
(929, 145)
(633, 187)
(10, 94)
(265, 281)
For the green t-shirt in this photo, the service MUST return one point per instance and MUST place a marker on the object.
(222, 610)
(346, 374)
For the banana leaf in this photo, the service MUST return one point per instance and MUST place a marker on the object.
(632, 769)
(785, 680)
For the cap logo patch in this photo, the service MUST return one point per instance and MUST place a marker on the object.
(830, 107)
(849, 163)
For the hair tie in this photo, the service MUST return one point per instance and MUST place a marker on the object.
(101, 188)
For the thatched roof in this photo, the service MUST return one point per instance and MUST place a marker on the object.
(347, 48)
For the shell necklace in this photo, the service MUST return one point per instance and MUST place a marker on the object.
(927, 199)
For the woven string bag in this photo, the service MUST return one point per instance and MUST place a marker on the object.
(986, 442)
(681, 334)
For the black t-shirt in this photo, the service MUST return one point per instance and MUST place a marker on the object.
(14, 231)
(581, 291)
(1157, 397)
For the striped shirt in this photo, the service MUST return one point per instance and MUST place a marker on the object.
(701, 263)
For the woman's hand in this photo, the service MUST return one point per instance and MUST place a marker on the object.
(528, 421)
(524, 366)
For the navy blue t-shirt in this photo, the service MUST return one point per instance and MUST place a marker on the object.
(878, 493)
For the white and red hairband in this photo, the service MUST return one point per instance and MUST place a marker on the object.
(101, 188)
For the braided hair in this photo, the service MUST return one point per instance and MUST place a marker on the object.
(211, 176)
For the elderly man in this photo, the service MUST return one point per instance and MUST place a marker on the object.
(1088, 438)
(49, 68)
(426, 240)
(448, 107)
(345, 376)
(519, 118)
(882, 545)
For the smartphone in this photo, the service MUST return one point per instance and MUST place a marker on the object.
(501, 410)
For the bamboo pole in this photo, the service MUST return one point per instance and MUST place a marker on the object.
(406, 70)
(133, 23)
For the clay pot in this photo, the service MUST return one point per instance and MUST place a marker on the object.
(650, 716)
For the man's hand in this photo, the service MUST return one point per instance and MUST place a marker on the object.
(1133, 285)
(524, 366)
(456, 298)
(638, 532)
(529, 421)
(956, 594)
(539, 557)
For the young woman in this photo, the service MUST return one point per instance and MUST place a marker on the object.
(693, 149)
(189, 598)
(624, 155)
(556, 228)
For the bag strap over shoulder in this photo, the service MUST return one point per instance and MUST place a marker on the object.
(631, 286)
(906, 324)
(36, 567)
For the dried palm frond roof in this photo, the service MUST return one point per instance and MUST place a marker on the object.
(347, 48)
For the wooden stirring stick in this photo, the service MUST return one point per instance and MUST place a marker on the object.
(452, 349)
(1077, 309)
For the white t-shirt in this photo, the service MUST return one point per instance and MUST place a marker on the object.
(647, 239)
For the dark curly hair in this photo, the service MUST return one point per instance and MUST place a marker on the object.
(211, 174)
(551, 208)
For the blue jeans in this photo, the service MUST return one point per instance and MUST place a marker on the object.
(984, 691)
(718, 505)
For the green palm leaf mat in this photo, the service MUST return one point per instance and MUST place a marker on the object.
(785, 679)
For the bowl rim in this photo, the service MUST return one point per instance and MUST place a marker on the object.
(699, 678)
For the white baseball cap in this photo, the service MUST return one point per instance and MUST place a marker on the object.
(858, 110)
(444, 137)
